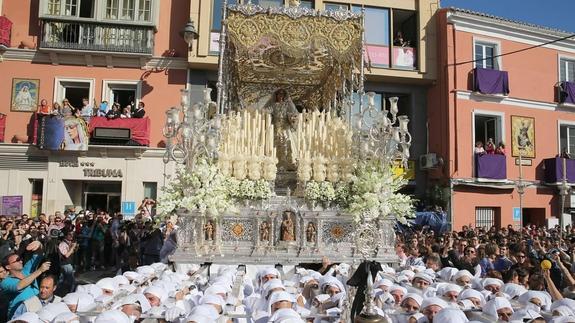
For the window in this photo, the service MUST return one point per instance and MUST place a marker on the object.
(54, 7)
(37, 192)
(488, 127)
(74, 90)
(126, 10)
(123, 92)
(151, 192)
(70, 7)
(269, 3)
(566, 70)
(486, 217)
(567, 138)
(112, 7)
(376, 35)
(336, 6)
(484, 55)
(306, 4)
(405, 39)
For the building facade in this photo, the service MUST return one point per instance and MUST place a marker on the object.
(115, 51)
(505, 82)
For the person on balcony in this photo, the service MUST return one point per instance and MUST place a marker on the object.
(115, 112)
(490, 147)
(139, 112)
(127, 112)
(43, 108)
(500, 149)
(87, 110)
(67, 109)
(103, 109)
(479, 150)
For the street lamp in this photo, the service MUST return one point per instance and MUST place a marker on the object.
(564, 189)
(189, 33)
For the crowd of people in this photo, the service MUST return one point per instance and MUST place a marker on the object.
(495, 275)
(87, 110)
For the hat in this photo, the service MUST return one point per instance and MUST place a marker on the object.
(113, 316)
(468, 293)
(198, 318)
(91, 289)
(158, 292)
(280, 296)
(429, 301)
(29, 317)
(214, 300)
(423, 276)
(107, 283)
(66, 317)
(51, 310)
(450, 315)
(525, 315)
(445, 288)
(462, 273)
(383, 282)
(121, 280)
(513, 290)
(495, 304)
(416, 297)
(134, 299)
(84, 301)
(492, 281)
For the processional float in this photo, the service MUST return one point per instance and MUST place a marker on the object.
(294, 161)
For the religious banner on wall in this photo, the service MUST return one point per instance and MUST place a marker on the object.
(12, 205)
(57, 133)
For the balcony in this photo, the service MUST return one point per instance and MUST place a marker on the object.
(554, 170)
(490, 82)
(490, 167)
(566, 93)
(5, 31)
(96, 37)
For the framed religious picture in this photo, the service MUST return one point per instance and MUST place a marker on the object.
(25, 93)
(523, 136)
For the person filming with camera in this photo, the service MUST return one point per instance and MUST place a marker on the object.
(67, 248)
(21, 282)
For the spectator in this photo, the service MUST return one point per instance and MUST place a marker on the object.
(114, 113)
(139, 112)
(67, 248)
(127, 112)
(21, 283)
(45, 297)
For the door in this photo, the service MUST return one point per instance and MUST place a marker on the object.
(490, 130)
(96, 201)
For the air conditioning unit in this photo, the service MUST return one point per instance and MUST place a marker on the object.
(428, 161)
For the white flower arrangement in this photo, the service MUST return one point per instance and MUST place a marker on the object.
(322, 192)
(248, 189)
(203, 190)
(374, 192)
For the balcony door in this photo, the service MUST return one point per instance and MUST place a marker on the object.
(72, 8)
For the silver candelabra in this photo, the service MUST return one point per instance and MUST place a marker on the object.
(197, 135)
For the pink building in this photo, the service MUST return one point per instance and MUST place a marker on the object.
(505, 82)
(116, 51)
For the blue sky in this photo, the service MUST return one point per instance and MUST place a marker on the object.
(558, 14)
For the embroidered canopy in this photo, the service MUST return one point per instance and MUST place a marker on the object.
(312, 54)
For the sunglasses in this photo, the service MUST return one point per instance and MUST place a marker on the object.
(18, 259)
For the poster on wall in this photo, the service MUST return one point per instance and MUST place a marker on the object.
(12, 205)
(523, 136)
(56, 133)
(24, 95)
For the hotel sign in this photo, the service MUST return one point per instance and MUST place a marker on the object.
(98, 172)
(92, 172)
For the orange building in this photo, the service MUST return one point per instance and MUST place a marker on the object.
(116, 51)
(505, 82)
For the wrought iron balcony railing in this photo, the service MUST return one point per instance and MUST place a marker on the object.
(95, 36)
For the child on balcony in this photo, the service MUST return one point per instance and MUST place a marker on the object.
(500, 149)
(490, 147)
(479, 148)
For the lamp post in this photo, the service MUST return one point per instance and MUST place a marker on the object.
(189, 33)
(520, 187)
(564, 189)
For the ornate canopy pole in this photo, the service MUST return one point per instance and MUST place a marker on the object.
(223, 34)
(361, 90)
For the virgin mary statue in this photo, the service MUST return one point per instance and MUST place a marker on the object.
(284, 115)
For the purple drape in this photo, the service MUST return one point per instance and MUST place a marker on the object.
(568, 92)
(554, 170)
(490, 166)
(489, 81)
